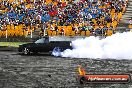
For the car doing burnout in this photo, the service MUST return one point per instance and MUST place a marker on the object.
(46, 44)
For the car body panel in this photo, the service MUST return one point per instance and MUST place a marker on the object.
(44, 45)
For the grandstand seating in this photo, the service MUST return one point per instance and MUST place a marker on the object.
(130, 26)
(20, 17)
(109, 32)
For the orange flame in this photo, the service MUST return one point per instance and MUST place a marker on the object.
(81, 70)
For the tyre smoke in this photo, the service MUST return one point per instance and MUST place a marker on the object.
(117, 46)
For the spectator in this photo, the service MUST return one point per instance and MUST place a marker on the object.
(35, 12)
(130, 21)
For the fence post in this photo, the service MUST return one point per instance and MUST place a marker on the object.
(6, 33)
(31, 34)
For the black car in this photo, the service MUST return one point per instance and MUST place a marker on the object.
(46, 44)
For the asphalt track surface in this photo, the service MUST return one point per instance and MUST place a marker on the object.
(45, 71)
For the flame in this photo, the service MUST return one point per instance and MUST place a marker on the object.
(81, 70)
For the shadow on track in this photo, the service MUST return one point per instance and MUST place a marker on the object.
(34, 54)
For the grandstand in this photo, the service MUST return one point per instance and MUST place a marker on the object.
(127, 15)
(24, 18)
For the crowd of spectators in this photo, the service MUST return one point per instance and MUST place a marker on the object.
(49, 14)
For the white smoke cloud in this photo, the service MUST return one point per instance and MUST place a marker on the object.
(117, 46)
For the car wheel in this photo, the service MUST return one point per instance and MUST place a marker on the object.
(26, 51)
(57, 51)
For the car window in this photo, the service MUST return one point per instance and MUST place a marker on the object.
(46, 40)
(40, 40)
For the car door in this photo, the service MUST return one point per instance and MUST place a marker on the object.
(41, 46)
(46, 46)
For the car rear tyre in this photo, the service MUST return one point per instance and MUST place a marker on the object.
(26, 51)
(57, 51)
